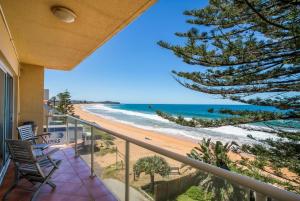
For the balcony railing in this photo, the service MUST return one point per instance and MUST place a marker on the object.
(122, 181)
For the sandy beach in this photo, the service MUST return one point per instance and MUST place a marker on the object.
(178, 144)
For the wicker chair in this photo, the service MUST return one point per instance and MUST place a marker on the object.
(35, 169)
(26, 133)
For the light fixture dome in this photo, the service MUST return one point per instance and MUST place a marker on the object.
(64, 14)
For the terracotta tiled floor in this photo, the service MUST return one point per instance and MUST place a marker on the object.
(72, 181)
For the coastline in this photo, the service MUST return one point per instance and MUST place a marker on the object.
(178, 144)
(141, 117)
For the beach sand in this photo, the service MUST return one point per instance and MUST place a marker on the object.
(178, 144)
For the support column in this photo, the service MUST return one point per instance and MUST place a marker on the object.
(31, 86)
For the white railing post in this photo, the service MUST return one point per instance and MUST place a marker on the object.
(116, 157)
(249, 194)
(47, 123)
(67, 130)
(92, 151)
(75, 138)
(127, 150)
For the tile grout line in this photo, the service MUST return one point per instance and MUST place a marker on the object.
(82, 182)
(75, 170)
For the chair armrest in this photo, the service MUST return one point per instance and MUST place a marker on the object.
(47, 154)
(43, 134)
(32, 138)
(52, 151)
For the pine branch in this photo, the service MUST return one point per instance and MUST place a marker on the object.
(263, 17)
(239, 117)
(285, 103)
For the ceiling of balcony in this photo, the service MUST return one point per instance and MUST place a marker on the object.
(41, 39)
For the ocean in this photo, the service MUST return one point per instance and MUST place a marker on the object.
(144, 116)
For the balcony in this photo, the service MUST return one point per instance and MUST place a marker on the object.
(98, 164)
(72, 179)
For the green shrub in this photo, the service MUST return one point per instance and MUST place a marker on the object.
(184, 197)
(259, 162)
(195, 193)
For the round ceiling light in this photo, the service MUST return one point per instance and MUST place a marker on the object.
(64, 14)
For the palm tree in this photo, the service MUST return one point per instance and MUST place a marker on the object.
(152, 165)
(216, 154)
(212, 153)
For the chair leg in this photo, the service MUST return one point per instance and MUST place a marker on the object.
(50, 183)
(33, 197)
(46, 181)
(37, 191)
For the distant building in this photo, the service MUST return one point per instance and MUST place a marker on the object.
(46, 94)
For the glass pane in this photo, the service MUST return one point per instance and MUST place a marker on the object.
(2, 109)
(58, 129)
(154, 176)
(8, 112)
(109, 153)
(157, 177)
(109, 162)
(84, 142)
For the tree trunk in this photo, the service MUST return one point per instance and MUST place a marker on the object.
(152, 182)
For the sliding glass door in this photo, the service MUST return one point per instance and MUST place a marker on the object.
(2, 121)
(8, 114)
(6, 117)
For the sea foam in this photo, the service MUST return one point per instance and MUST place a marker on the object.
(133, 113)
(153, 122)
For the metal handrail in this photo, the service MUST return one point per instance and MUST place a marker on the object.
(255, 185)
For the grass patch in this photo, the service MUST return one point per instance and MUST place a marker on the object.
(195, 193)
(113, 171)
(104, 151)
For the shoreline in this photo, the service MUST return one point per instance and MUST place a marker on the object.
(178, 136)
(178, 144)
(161, 126)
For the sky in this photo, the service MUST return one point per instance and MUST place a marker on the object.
(131, 67)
